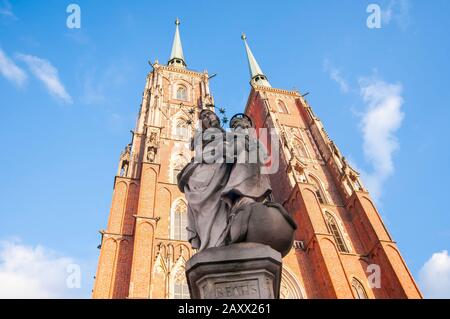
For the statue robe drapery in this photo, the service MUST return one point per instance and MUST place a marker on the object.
(214, 190)
(246, 183)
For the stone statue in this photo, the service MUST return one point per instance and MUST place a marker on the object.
(124, 161)
(202, 181)
(152, 147)
(246, 184)
(252, 217)
(227, 192)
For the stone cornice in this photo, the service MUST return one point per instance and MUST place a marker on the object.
(104, 232)
(274, 90)
(179, 70)
(157, 219)
(257, 88)
(128, 179)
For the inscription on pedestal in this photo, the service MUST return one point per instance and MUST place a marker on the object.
(238, 271)
(248, 289)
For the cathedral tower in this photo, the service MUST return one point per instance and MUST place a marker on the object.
(143, 248)
(341, 239)
(342, 247)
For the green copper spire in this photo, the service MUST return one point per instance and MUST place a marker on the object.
(177, 57)
(256, 74)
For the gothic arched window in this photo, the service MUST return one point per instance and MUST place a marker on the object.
(333, 229)
(318, 189)
(289, 286)
(124, 169)
(180, 221)
(181, 291)
(180, 288)
(181, 129)
(282, 108)
(179, 163)
(182, 93)
(359, 290)
(300, 147)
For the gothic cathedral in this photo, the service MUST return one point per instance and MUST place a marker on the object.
(342, 248)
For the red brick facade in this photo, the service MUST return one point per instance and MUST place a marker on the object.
(343, 237)
(340, 231)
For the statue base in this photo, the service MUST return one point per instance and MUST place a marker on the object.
(238, 271)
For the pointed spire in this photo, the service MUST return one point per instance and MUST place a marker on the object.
(176, 56)
(256, 74)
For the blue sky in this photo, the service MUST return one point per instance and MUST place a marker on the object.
(68, 98)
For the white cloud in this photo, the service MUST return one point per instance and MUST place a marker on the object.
(33, 272)
(380, 121)
(398, 11)
(434, 276)
(11, 71)
(335, 75)
(48, 74)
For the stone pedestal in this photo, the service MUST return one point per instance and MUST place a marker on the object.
(238, 271)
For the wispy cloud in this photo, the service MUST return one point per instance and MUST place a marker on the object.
(335, 75)
(397, 11)
(434, 276)
(33, 272)
(11, 71)
(381, 119)
(93, 92)
(47, 74)
(97, 86)
(6, 10)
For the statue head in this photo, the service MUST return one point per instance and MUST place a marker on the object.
(241, 120)
(209, 119)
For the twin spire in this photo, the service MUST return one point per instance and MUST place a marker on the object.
(176, 56)
(256, 74)
(177, 59)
